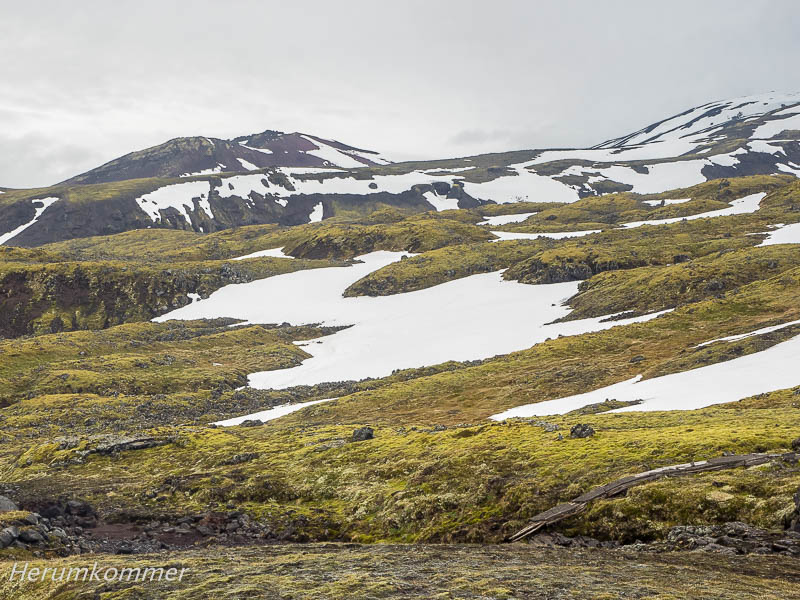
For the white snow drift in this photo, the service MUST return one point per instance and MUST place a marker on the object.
(767, 371)
(272, 252)
(271, 413)
(46, 203)
(741, 336)
(504, 236)
(178, 196)
(506, 219)
(784, 234)
(748, 204)
(316, 213)
(470, 318)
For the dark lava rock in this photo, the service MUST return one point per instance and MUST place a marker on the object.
(442, 188)
(363, 433)
(796, 444)
(7, 536)
(7, 504)
(238, 459)
(637, 359)
(733, 538)
(31, 536)
(581, 430)
(793, 520)
(250, 423)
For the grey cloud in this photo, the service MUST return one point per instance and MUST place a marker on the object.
(476, 136)
(82, 83)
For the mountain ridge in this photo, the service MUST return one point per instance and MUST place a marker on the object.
(200, 155)
(207, 184)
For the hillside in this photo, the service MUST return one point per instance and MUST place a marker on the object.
(363, 382)
(433, 331)
(184, 157)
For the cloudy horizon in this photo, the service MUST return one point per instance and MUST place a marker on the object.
(89, 82)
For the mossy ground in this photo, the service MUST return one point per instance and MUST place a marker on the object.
(614, 249)
(436, 469)
(334, 571)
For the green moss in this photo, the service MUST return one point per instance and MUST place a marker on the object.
(650, 289)
(471, 481)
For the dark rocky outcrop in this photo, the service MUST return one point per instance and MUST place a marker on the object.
(581, 430)
(363, 433)
(733, 538)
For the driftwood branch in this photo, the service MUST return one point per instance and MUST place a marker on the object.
(568, 509)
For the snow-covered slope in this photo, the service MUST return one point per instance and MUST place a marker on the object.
(704, 121)
(188, 156)
(295, 178)
(397, 331)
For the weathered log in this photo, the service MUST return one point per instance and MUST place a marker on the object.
(609, 490)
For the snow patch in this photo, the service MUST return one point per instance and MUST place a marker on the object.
(332, 155)
(211, 171)
(398, 331)
(666, 202)
(524, 186)
(316, 213)
(767, 371)
(784, 234)
(178, 196)
(504, 236)
(263, 150)
(506, 219)
(741, 336)
(748, 204)
(46, 203)
(441, 202)
(765, 147)
(243, 185)
(660, 177)
(727, 160)
(247, 165)
(773, 128)
(271, 413)
(272, 252)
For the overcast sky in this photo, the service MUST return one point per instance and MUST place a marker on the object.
(83, 82)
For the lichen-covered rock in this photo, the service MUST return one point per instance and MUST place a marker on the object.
(363, 433)
(581, 430)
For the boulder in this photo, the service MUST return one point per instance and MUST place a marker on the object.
(31, 536)
(581, 430)
(7, 536)
(6, 504)
(363, 433)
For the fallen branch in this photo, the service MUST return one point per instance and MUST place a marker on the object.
(568, 509)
